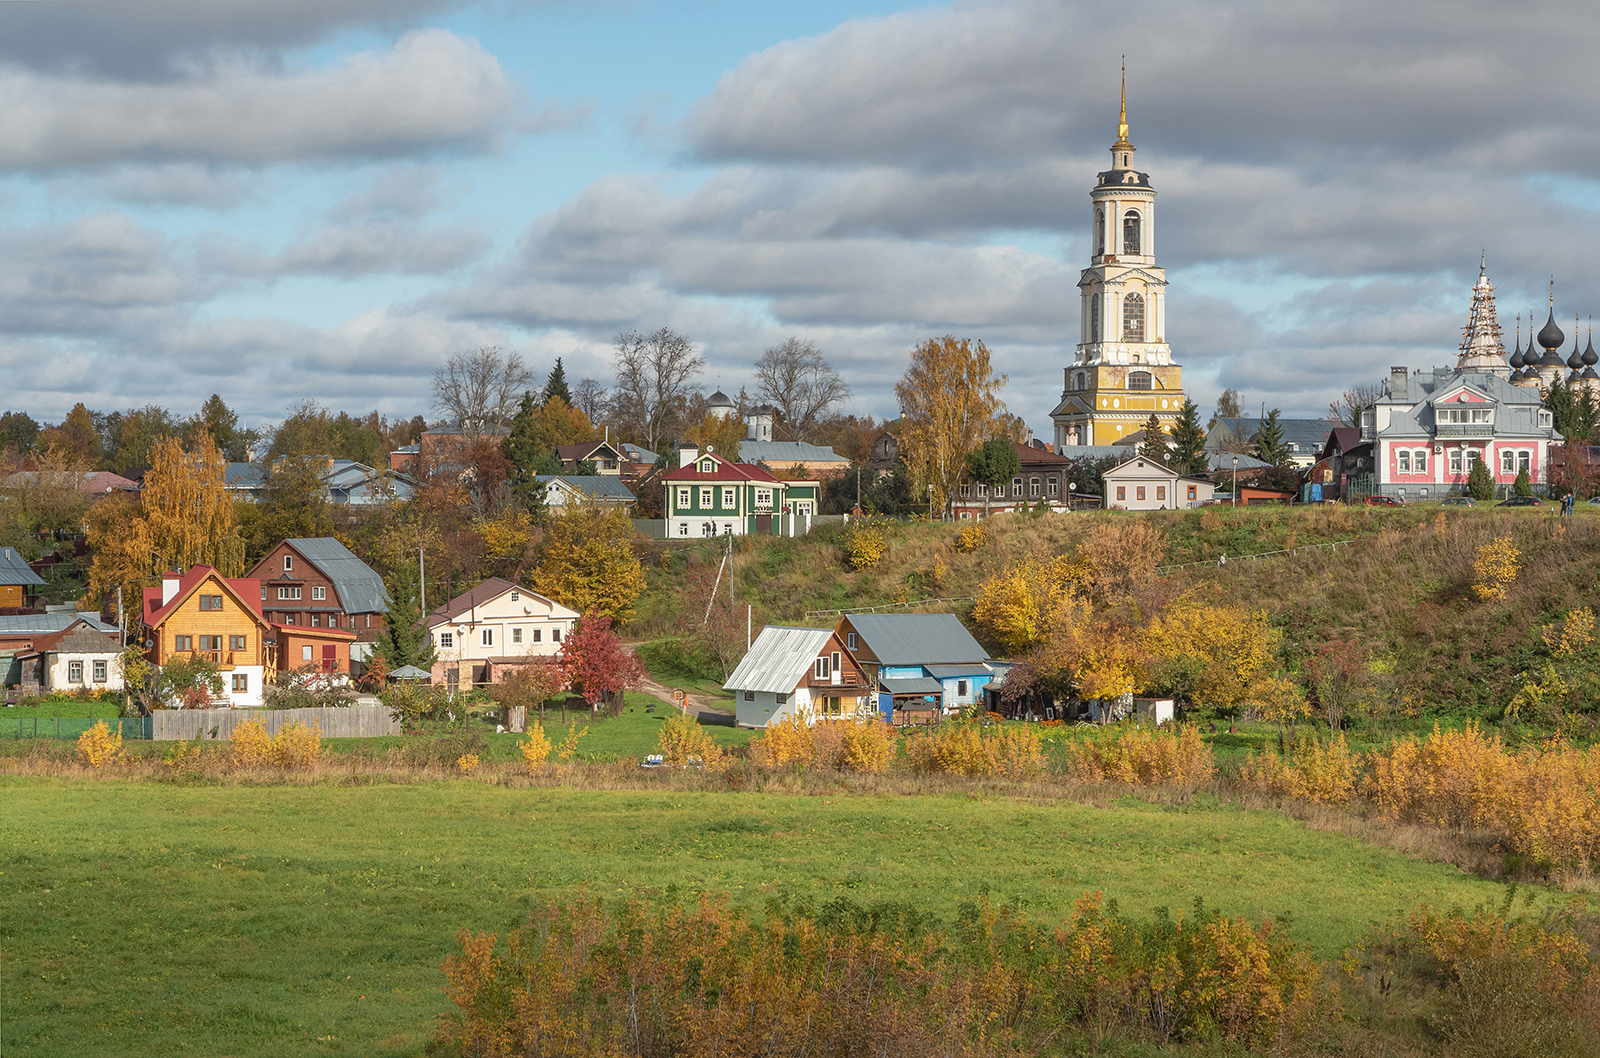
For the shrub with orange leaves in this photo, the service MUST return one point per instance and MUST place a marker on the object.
(684, 743)
(1011, 751)
(1321, 772)
(789, 741)
(535, 748)
(250, 745)
(1143, 756)
(295, 746)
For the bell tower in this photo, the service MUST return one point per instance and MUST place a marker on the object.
(1123, 370)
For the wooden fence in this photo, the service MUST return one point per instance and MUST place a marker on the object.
(356, 721)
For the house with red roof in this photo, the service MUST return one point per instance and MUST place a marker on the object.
(711, 496)
(202, 614)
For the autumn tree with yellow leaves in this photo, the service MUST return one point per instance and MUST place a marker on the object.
(182, 518)
(949, 405)
(588, 562)
(1216, 655)
(1022, 606)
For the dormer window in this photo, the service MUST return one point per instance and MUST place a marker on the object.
(708, 466)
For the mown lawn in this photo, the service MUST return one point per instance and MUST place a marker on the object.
(236, 920)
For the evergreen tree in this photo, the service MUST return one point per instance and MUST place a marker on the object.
(1573, 411)
(1480, 485)
(1270, 446)
(556, 384)
(1523, 486)
(994, 463)
(1188, 441)
(525, 449)
(1154, 445)
(403, 640)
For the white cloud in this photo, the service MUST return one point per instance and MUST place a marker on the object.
(431, 90)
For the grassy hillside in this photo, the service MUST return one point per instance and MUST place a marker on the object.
(157, 919)
(1400, 589)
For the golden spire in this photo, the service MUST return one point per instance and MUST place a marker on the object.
(1122, 124)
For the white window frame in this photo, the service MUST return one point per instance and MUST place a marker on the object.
(1419, 461)
(763, 497)
(1403, 461)
(306, 653)
(74, 672)
(707, 494)
(99, 672)
(538, 635)
(319, 593)
(1525, 462)
(555, 635)
(486, 637)
(820, 669)
(730, 498)
(1508, 461)
(684, 494)
(447, 640)
(288, 563)
(708, 466)
(516, 635)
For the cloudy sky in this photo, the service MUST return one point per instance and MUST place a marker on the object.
(288, 199)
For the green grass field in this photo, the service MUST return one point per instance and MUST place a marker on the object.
(237, 920)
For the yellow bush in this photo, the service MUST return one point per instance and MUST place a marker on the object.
(467, 763)
(100, 746)
(1143, 756)
(864, 545)
(569, 744)
(1023, 605)
(1573, 634)
(535, 748)
(683, 742)
(1321, 772)
(957, 748)
(971, 537)
(251, 745)
(1496, 568)
(790, 741)
(297, 746)
(952, 747)
(1016, 752)
(867, 746)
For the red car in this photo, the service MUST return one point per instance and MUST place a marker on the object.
(1385, 501)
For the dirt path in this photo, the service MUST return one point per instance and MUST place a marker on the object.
(696, 704)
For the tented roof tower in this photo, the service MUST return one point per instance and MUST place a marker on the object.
(1482, 346)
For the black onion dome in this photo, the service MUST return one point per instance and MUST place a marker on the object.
(1590, 357)
(1516, 355)
(1575, 361)
(1550, 336)
(1588, 374)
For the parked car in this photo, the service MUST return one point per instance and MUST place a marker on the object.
(1385, 501)
(1521, 501)
(1460, 501)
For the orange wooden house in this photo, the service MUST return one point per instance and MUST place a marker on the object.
(204, 614)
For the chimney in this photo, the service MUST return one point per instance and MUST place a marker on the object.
(1397, 384)
(169, 586)
(687, 453)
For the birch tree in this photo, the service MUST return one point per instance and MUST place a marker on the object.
(950, 404)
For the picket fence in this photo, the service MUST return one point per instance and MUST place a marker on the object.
(356, 721)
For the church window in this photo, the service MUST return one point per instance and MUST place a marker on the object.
(1405, 462)
(1419, 460)
(1099, 232)
(1140, 380)
(1133, 318)
(1094, 318)
(1083, 380)
(1130, 232)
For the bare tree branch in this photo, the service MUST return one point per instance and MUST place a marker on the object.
(1351, 403)
(797, 380)
(653, 373)
(481, 387)
(590, 395)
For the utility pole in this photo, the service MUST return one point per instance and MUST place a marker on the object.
(422, 580)
(858, 486)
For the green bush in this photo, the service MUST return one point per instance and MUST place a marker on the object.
(678, 657)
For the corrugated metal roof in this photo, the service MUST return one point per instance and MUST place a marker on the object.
(914, 685)
(917, 638)
(360, 588)
(15, 570)
(599, 487)
(950, 672)
(782, 453)
(779, 659)
(42, 623)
